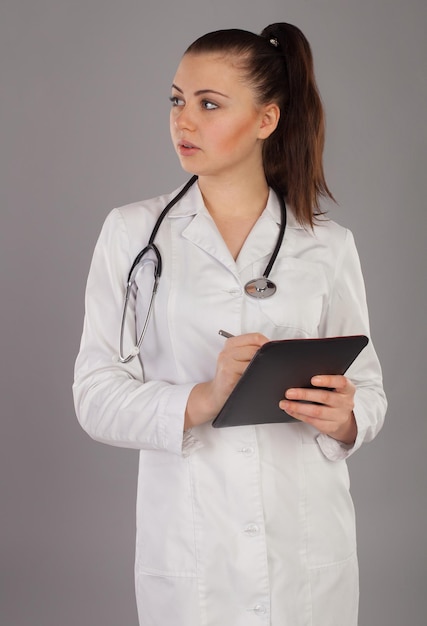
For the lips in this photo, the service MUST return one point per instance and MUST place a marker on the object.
(186, 148)
(186, 144)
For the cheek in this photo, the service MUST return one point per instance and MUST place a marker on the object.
(237, 135)
(171, 122)
(173, 130)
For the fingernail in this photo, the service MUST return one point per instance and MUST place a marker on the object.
(291, 393)
(316, 380)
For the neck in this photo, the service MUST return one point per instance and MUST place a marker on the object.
(234, 198)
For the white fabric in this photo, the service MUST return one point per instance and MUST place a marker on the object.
(240, 526)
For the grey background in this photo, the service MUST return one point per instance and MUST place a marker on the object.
(84, 128)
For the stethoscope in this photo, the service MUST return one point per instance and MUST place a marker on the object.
(259, 288)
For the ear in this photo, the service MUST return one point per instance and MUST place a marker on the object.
(269, 120)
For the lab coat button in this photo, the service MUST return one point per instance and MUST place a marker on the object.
(247, 451)
(252, 530)
(259, 609)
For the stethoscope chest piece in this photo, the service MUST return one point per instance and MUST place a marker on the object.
(260, 288)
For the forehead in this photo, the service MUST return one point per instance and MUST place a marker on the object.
(208, 71)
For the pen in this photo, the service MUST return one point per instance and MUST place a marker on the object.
(225, 334)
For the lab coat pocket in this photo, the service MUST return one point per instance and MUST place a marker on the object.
(165, 544)
(298, 302)
(334, 591)
(329, 510)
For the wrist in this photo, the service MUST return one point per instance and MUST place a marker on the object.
(199, 407)
(347, 433)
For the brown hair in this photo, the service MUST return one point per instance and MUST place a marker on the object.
(278, 64)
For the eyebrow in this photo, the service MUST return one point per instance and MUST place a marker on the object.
(200, 92)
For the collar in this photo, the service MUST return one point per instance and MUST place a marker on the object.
(192, 204)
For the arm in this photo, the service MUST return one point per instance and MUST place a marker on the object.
(113, 403)
(355, 411)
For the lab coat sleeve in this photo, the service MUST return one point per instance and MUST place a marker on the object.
(347, 314)
(113, 403)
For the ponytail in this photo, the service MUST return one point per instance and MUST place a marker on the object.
(293, 154)
(278, 66)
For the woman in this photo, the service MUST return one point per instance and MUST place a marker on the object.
(253, 524)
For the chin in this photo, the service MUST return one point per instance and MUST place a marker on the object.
(194, 171)
(188, 167)
(190, 170)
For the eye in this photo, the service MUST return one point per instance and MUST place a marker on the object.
(176, 102)
(208, 105)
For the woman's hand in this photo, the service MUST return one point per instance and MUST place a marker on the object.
(333, 415)
(207, 399)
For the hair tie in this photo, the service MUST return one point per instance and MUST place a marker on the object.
(274, 42)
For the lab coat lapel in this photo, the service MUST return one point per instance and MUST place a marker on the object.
(259, 243)
(201, 230)
(263, 236)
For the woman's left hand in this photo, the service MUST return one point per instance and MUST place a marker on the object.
(333, 415)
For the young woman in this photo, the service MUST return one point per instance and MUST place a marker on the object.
(253, 524)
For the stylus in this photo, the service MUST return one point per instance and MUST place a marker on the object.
(225, 334)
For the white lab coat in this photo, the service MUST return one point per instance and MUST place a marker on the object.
(241, 526)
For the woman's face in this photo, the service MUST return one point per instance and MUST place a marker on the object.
(216, 125)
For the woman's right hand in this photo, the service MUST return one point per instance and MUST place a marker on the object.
(207, 399)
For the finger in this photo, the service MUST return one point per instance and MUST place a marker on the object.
(341, 402)
(341, 384)
(306, 412)
(324, 418)
(232, 364)
(243, 347)
(248, 339)
(242, 354)
(322, 396)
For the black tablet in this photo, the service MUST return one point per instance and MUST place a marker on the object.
(278, 366)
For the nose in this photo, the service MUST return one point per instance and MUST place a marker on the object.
(183, 118)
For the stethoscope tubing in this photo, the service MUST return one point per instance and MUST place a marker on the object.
(252, 288)
(151, 245)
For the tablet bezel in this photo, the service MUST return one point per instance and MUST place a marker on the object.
(280, 365)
